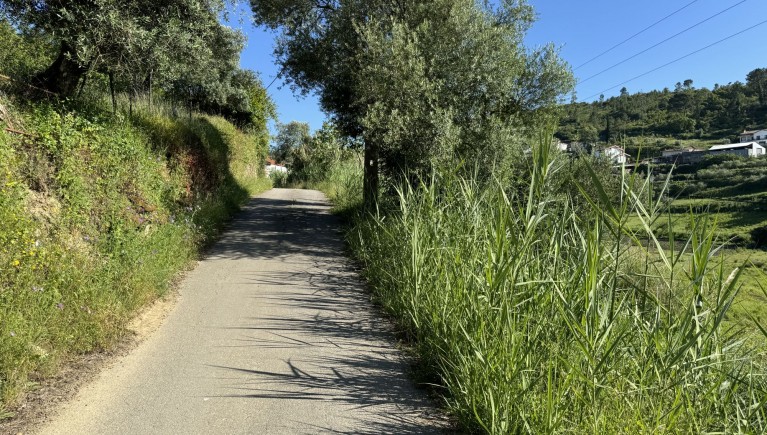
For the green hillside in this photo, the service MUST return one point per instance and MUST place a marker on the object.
(669, 118)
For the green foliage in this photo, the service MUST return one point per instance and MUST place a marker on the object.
(316, 158)
(99, 213)
(667, 116)
(424, 84)
(756, 81)
(290, 139)
(177, 48)
(545, 321)
(451, 81)
(23, 55)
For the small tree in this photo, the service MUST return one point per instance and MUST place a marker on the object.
(756, 81)
(290, 138)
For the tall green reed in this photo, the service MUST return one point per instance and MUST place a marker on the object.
(537, 317)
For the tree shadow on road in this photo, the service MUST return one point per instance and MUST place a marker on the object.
(340, 351)
(277, 228)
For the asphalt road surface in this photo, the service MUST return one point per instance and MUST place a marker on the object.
(273, 334)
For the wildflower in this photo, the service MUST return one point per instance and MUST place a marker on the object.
(37, 289)
(13, 334)
(60, 306)
(16, 263)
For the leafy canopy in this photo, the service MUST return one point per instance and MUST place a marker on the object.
(422, 82)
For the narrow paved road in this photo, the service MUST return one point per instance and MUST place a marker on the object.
(273, 334)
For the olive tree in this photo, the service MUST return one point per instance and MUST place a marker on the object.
(423, 83)
(117, 36)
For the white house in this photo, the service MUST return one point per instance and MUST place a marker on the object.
(749, 149)
(615, 153)
(758, 136)
(272, 167)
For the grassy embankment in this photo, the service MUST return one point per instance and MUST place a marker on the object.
(536, 317)
(98, 214)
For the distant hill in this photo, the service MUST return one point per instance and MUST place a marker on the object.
(668, 118)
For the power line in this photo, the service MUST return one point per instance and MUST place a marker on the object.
(270, 84)
(636, 34)
(679, 58)
(662, 42)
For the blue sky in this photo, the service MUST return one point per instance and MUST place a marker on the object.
(585, 28)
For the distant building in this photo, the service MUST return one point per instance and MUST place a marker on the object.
(615, 153)
(749, 149)
(758, 136)
(272, 167)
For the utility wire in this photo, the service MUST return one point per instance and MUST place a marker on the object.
(270, 84)
(679, 58)
(662, 42)
(636, 34)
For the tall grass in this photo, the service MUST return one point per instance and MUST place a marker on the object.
(98, 213)
(342, 185)
(536, 317)
(341, 182)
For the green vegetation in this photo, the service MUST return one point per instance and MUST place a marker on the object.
(534, 317)
(542, 293)
(323, 161)
(174, 52)
(684, 117)
(732, 188)
(422, 84)
(538, 291)
(128, 136)
(99, 214)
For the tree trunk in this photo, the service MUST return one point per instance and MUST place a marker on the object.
(112, 92)
(149, 79)
(370, 182)
(82, 86)
(63, 75)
